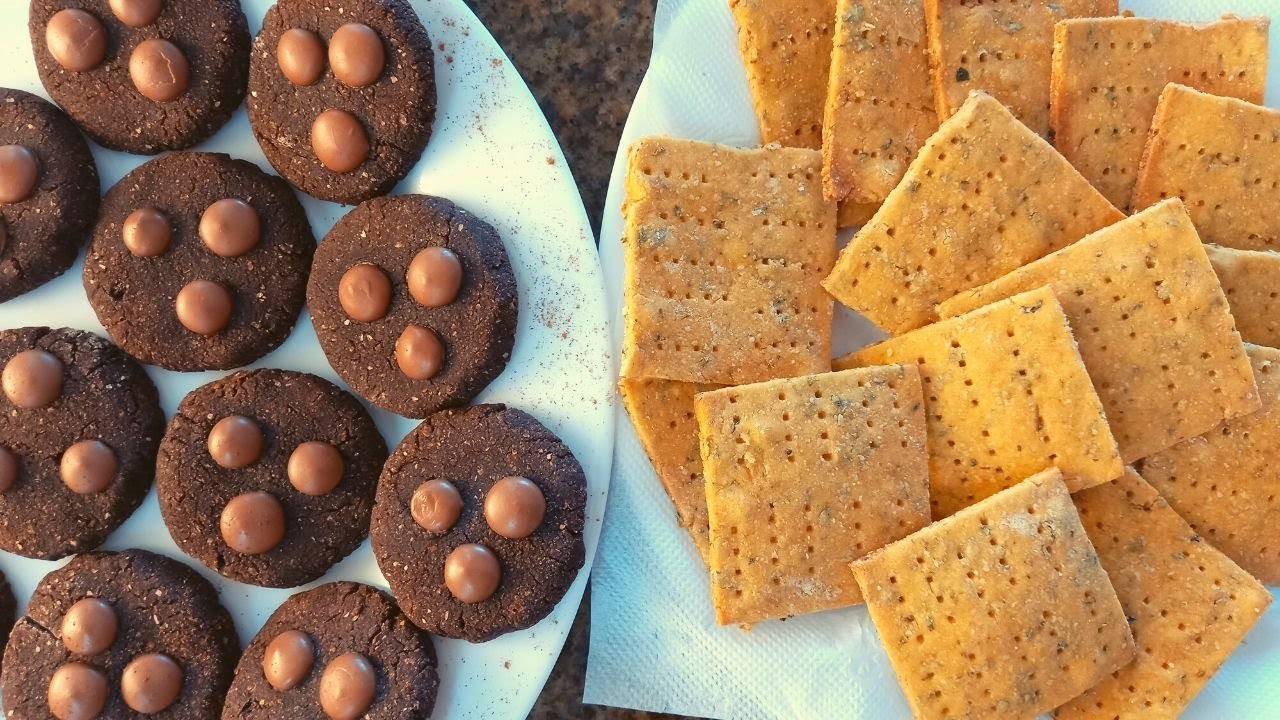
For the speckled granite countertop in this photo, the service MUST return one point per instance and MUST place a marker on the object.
(583, 60)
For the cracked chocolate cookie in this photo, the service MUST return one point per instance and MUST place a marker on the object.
(268, 476)
(48, 192)
(414, 302)
(342, 96)
(199, 262)
(143, 75)
(79, 425)
(343, 651)
(478, 522)
(116, 635)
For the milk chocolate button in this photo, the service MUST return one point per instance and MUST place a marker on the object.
(365, 292)
(230, 227)
(32, 379)
(203, 307)
(252, 523)
(434, 277)
(339, 141)
(19, 171)
(436, 506)
(288, 659)
(76, 39)
(235, 442)
(315, 468)
(472, 573)
(89, 627)
(8, 469)
(150, 683)
(88, 467)
(419, 353)
(356, 55)
(348, 686)
(136, 13)
(146, 232)
(77, 692)
(514, 507)
(159, 70)
(300, 55)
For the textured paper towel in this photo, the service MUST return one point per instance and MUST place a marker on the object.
(654, 642)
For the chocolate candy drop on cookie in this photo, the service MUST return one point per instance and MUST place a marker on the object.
(356, 55)
(146, 232)
(348, 686)
(472, 573)
(436, 506)
(339, 141)
(77, 692)
(32, 379)
(419, 353)
(315, 468)
(230, 227)
(136, 13)
(19, 171)
(90, 626)
(288, 659)
(365, 292)
(159, 70)
(235, 442)
(88, 467)
(253, 523)
(300, 55)
(204, 307)
(514, 507)
(151, 683)
(76, 39)
(434, 277)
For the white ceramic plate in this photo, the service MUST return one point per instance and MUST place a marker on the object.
(654, 643)
(492, 153)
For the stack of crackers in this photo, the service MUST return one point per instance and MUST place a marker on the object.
(1051, 484)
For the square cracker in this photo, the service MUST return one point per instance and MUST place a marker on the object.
(1222, 157)
(725, 249)
(786, 47)
(1006, 396)
(1004, 48)
(662, 413)
(999, 611)
(1108, 74)
(804, 476)
(1189, 606)
(879, 107)
(985, 196)
(1251, 281)
(1153, 324)
(1226, 483)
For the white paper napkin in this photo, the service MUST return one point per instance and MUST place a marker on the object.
(654, 643)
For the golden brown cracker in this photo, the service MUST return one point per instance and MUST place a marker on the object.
(1222, 157)
(804, 476)
(662, 413)
(1007, 396)
(985, 196)
(1251, 281)
(1189, 606)
(852, 214)
(1004, 48)
(1226, 483)
(999, 611)
(786, 47)
(879, 106)
(1108, 74)
(1153, 325)
(725, 249)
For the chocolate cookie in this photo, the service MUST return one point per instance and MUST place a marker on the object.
(48, 192)
(79, 425)
(199, 262)
(116, 635)
(342, 650)
(342, 95)
(268, 476)
(143, 75)
(478, 522)
(415, 303)
(8, 610)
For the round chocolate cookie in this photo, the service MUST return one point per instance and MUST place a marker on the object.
(48, 192)
(268, 476)
(478, 522)
(143, 75)
(114, 635)
(199, 262)
(79, 428)
(341, 650)
(342, 95)
(415, 303)
(8, 610)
